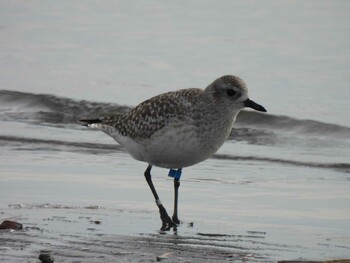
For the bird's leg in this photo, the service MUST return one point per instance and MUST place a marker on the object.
(167, 223)
(176, 197)
(176, 174)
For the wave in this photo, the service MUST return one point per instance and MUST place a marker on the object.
(344, 167)
(279, 122)
(45, 108)
(34, 144)
(250, 126)
(57, 145)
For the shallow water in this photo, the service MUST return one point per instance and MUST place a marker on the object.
(277, 189)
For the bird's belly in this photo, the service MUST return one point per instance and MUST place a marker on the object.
(174, 147)
(178, 148)
(173, 155)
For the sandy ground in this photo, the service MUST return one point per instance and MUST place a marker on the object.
(95, 234)
(86, 235)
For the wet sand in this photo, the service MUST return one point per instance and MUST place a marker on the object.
(90, 234)
(86, 234)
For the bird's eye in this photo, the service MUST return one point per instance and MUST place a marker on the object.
(231, 92)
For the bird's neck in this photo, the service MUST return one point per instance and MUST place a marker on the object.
(221, 120)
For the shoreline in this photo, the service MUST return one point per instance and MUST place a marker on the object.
(91, 234)
(73, 235)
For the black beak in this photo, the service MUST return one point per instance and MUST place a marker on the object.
(251, 104)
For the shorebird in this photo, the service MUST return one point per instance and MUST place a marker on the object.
(178, 129)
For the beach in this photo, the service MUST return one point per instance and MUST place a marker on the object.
(277, 190)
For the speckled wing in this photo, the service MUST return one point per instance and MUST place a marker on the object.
(155, 113)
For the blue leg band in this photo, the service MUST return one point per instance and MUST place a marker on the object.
(176, 174)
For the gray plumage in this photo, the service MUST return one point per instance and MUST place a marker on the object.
(180, 128)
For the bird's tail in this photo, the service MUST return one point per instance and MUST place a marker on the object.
(87, 123)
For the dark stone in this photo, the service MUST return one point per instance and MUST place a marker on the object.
(46, 257)
(7, 224)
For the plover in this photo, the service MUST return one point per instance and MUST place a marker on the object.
(178, 129)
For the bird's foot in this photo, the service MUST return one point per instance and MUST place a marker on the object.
(176, 220)
(167, 222)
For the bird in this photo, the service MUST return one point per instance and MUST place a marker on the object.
(178, 129)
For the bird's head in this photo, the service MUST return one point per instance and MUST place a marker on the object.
(232, 93)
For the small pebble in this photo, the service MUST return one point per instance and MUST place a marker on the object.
(163, 256)
(7, 224)
(46, 257)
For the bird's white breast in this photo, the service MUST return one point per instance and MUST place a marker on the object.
(178, 145)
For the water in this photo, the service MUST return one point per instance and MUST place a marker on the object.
(294, 57)
(285, 173)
